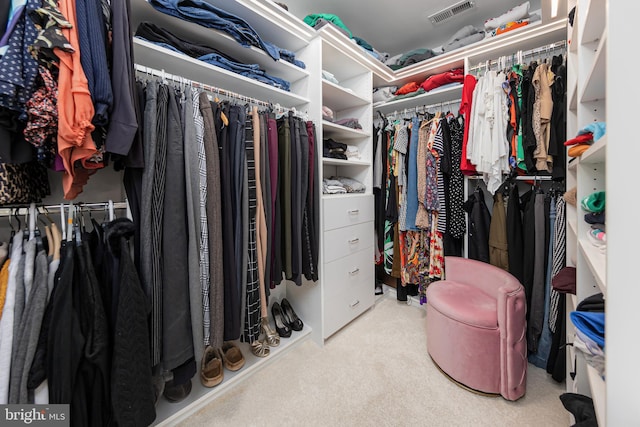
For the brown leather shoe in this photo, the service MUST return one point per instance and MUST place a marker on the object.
(232, 356)
(211, 372)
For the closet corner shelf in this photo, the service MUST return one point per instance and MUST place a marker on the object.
(435, 96)
(169, 414)
(339, 97)
(597, 262)
(160, 58)
(595, 87)
(598, 393)
(595, 21)
(333, 130)
(337, 40)
(341, 162)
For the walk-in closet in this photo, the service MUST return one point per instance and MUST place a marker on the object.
(356, 201)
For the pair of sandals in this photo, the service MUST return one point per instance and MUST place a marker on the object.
(267, 338)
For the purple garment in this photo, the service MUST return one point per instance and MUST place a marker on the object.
(58, 164)
(11, 25)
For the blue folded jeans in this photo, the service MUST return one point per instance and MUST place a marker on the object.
(207, 15)
(203, 13)
(251, 71)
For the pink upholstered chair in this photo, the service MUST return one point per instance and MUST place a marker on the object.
(476, 327)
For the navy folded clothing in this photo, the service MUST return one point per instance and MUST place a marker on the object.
(589, 323)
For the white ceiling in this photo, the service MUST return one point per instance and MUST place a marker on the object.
(398, 26)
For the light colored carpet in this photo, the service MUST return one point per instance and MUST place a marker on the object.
(375, 372)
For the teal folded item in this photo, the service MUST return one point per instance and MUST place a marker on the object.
(591, 324)
(594, 202)
(598, 129)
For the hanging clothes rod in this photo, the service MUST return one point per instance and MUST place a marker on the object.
(11, 210)
(519, 56)
(519, 177)
(422, 108)
(222, 92)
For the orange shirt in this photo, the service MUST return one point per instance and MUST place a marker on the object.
(75, 110)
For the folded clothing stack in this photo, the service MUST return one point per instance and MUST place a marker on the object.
(334, 149)
(452, 76)
(352, 152)
(515, 17)
(585, 138)
(350, 122)
(384, 93)
(332, 186)
(335, 184)
(588, 320)
(327, 113)
(463, 37)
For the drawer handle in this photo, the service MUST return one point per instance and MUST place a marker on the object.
(354, 241)
(354, 211)
(353, 304)
(354, 272)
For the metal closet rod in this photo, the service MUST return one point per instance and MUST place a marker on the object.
(10, 210)
(520, 55)
(183, 80)
(423, 108)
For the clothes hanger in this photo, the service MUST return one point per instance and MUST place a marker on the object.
(112, 214)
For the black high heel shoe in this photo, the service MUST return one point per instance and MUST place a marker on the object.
(278, 318)
(290, 316)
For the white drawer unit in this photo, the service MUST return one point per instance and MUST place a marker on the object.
(348, 289)
(344, 241)
(348, 210)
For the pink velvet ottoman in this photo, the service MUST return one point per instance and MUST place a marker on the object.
(476, 327)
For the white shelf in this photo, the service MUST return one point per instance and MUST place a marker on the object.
(222, 42)
(597, 262)
(160, 58)
(341, 162)
(573, 97)
(596, 153)
(169, 414)
(574, 303)
(595, 20)
(291, 33)
(339, 97)
(572, 222)
(345, 195)
(595, 87)
(333, 130)
(598, 393)
(435, 96)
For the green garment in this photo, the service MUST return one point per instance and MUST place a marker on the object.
(313, 19)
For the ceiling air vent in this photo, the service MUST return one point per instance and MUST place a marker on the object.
(451, 11)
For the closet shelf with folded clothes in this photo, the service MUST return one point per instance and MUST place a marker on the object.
(341, 162)
(335, 130)
(341, 97)
(162, 58)
(432, 97)
(223, 42)
(596, 260)
(239, 19)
